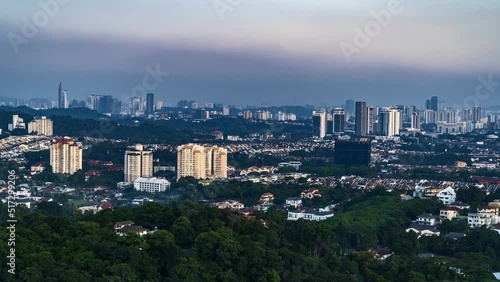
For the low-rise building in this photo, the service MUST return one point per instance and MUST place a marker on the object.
(151, 185)
(294, 202)
(449, 213)
(124, 227)
(311, 193)
(428, 219)
(447, 196)
(310, 215)
(423, 230)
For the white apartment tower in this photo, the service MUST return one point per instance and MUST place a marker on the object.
(65, 155)
(201, 162)
(138, 163)
(41, 125)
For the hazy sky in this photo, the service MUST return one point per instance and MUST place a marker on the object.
(261, 51)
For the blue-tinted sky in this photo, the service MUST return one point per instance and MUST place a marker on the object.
(264, 51)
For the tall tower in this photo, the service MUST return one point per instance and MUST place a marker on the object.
(319, 123)
(361, 119)
(62, 101)
(435, 103)
(338, 120)
(138, 163)
(150, 103)
(65, 155)
(201, 162)
(389, 121)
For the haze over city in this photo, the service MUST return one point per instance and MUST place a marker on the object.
(260, 52)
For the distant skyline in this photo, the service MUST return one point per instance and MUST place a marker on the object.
(270, 52)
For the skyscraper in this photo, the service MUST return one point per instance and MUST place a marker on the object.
(201, 162)
(349, 107)
(150, 103)
(338, 120)
(476, 114)
(361, 119)
(138, 163)
(62, 101)
(389, 121)
(415, 121)
(435, 103)
(372, 118)
(65, 155)
(319, 123)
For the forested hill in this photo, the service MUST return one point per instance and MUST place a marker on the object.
(195, 242)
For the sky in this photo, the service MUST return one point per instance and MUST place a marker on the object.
(253, 52)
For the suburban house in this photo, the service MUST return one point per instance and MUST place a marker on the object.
(230, 204)
(428, 219)
(294, 202)
(483, 216)
(423, 230)
(310, 215)
(449, 213)
(266, 198)
(447, 196)
(124, 227)
(311, 193)
(459, 205)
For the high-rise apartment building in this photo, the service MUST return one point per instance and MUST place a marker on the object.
(372, 112)
(41, 126)
(389, 121)
(319, 123)
(415, 121)
(65, 155)
(476, 114)
(201, 162)
(350, 107)
(138, 163)
(361, 124)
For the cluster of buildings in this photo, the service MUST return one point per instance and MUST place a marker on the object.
(201, 162)
(264, 115)
(393, 121)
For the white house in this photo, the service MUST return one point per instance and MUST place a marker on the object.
(311, 193)
(294, 202)
(310, 215)
(428, 219)
(482, 218)
(447, 196)
(151, 185)
(423, 230)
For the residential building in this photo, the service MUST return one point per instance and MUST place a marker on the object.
(151, 185)
(423, 230)
(138, 163)
(310, 215)
(294, 202)
(449, 213)
(65, 155)
(447, 196)
(319, 123)
(17, 123)
(266, 198)
(310, 193)
(201, 162)
(150, 103)
(124, 227)
(389, 122)
(41, 126)
(428, 219)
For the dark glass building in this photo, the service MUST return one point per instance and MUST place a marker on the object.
(353, 152)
